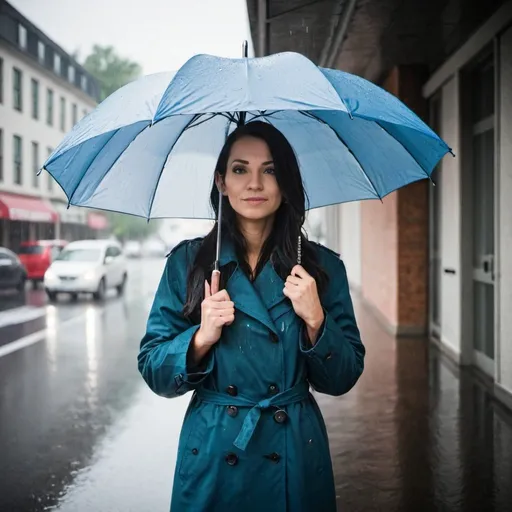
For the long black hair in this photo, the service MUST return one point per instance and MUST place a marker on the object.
(281, 245)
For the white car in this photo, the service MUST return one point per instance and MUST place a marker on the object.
(133, 249)
(154, 248)
(87, 266)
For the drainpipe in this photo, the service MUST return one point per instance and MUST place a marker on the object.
(334, 44)
(262, 28)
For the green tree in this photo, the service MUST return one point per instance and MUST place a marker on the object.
(112, 70)
(128, 227)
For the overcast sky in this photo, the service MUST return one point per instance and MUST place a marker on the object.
(159, 34)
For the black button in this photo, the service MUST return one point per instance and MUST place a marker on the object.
(328, 356)
(280, 416)
(232, 390)
(274, 338)
(195, 451)
(274, 457)
(273, 389)
(232, 410)
(232, 459)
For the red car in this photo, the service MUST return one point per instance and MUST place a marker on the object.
(38, 255)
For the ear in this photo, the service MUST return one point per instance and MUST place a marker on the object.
(219, 182)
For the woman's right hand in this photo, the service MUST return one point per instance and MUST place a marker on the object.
(217, 310)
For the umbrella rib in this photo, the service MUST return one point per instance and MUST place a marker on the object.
(92, 162)
(194, 118)
(263, 113)
(200, 122)
(340, 138)
(401, 144)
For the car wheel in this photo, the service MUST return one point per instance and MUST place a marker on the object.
(52, 296)
(120, 288)
(100, 293)
(21, 285)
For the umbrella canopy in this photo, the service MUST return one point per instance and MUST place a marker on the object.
(150, 148)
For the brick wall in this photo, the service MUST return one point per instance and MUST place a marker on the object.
(413, 223)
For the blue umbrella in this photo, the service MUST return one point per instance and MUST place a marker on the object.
(150, 148)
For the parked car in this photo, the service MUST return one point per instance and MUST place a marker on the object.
(12, 272)
(154, 248)
(38, 255)
(133, 249)
(87, 266)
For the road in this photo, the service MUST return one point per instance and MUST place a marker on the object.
(76, 418)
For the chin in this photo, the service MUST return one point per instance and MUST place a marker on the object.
(255, 213)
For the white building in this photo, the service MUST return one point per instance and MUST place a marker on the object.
(43, 93)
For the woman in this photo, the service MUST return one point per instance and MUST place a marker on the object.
(253, 438)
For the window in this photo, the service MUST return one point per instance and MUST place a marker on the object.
(56, 63)
(71, 73)
(62, 113)
(49, 151)
(17, 160)
(35, 164)
(17, 86)
(1, 155)
(83, 83)
(113, 252)
(1, 80)
(35, 99)
(75, 114)
(41, 51)
(49, 107)
(22, 36)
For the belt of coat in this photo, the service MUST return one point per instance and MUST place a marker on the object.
(293, 395)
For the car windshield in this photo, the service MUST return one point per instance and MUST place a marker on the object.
(79, 255)
(31, 249)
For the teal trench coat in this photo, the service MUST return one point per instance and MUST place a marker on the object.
(253, 438)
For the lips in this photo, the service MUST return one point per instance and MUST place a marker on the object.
(255, 200)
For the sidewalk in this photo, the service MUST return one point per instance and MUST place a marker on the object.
(416, 433)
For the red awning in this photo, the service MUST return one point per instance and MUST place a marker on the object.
(30, 209)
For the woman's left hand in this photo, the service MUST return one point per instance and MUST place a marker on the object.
(301, 289)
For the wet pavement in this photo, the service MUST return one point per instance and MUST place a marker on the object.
(79, 431)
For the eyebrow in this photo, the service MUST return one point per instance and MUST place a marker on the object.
(245, 162)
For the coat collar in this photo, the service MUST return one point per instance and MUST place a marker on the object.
(258, 299)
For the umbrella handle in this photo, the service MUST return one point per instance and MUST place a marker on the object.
(215, 281)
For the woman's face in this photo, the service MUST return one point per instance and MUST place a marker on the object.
(250, 182)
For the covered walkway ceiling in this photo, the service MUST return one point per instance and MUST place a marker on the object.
(373, 35)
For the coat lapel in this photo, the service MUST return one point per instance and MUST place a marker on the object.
(262, 300)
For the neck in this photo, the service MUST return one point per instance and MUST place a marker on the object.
(255, 233)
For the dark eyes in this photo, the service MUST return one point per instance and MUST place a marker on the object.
(241, 170)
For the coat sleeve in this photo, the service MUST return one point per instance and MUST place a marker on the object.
(336, 361)
(162, 358)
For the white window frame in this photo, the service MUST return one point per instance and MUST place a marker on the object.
(57, 63)
(41, 51)
(22, 36)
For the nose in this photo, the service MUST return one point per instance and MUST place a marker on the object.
(256, 181)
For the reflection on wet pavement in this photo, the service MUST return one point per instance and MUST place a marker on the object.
(79, 430)
(59, 396)
(417, 434)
